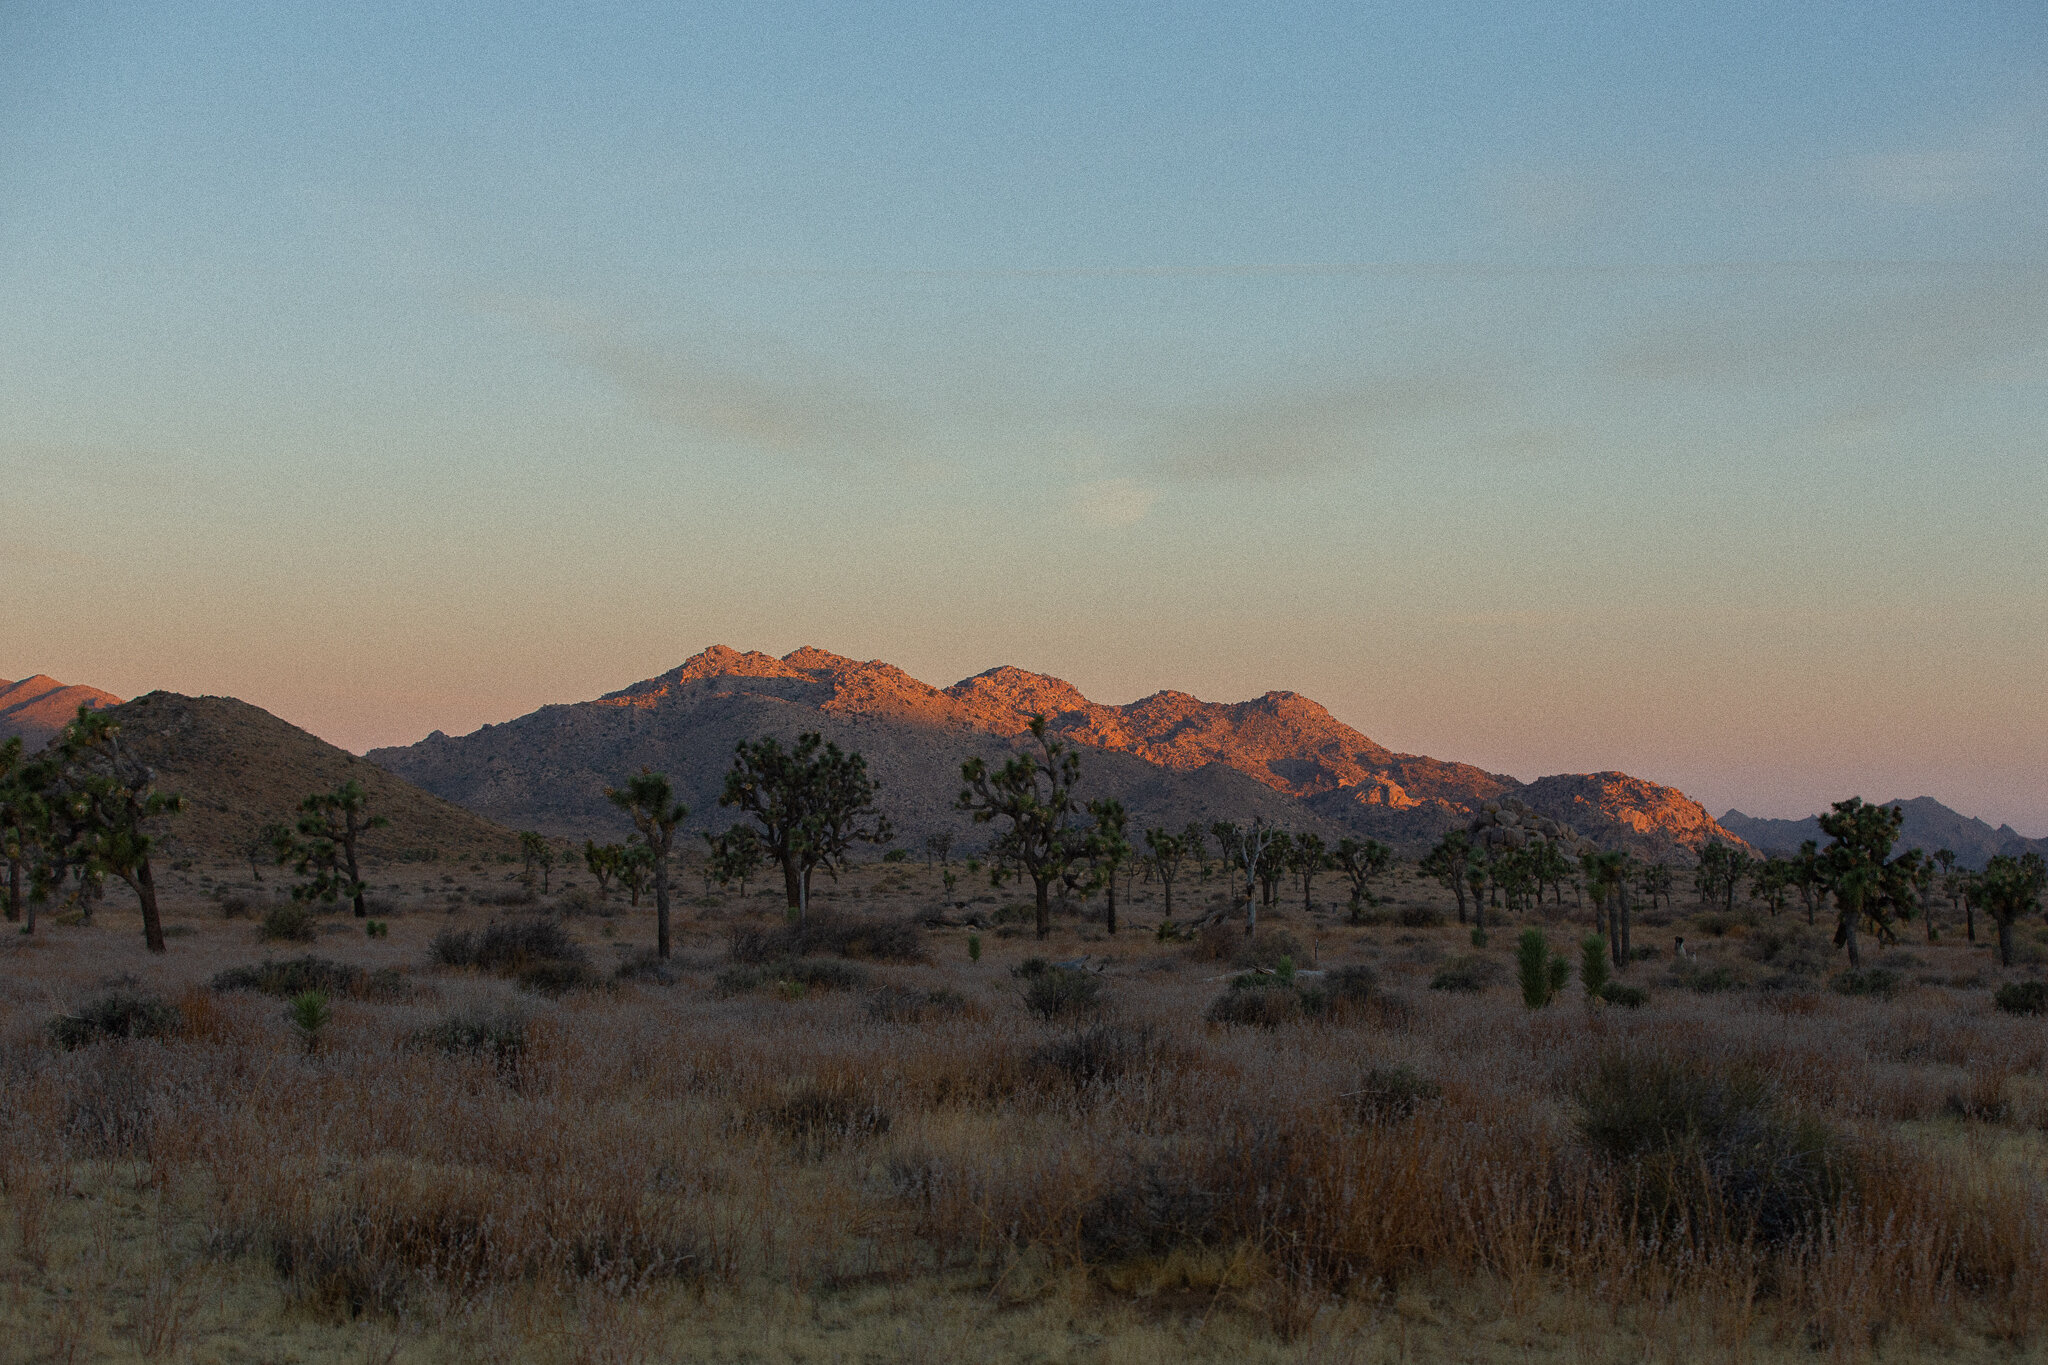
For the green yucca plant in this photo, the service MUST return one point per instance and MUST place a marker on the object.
(309, 1014)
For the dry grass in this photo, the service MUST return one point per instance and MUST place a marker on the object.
(927, 1170)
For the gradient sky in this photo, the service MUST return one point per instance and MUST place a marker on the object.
(1556, 388)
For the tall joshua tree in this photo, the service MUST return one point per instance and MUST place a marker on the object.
(108, 800)
(1361, 862)
(812, 801)
(1856, 863)
(2008, 888)
(649, 801)
(328, 849)
(1165, 852)
(1305, 858)
(1109, 847)
(1034, 792)
(1448, 862)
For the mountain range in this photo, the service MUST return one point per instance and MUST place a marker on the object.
(1928, 825)
(37, 708)
(1170, 757)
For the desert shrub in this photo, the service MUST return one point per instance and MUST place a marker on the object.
(1419, 917)
(645, 966)
(235, 906)
(122, 1014)
(290, 922)
(1388, 1094)
(1790, 949)
(1716, 923)
(1059, 992)
(1469, 973)
(1625, 995)
(908, 1005)
(578, 900)
(501, 1038)
(1701, 1142)
(2022, 997)
(1346, 990)
(794, 977)
(558, 976)
(1154, 1207)
(1217, 942)
(1268, 947)
(1706, 978)
(504, 946)
(896, 855)
(505, 898)
(1098, 1054)
(818, 1119)
(310, 973)
(1881, 982)
(833, 935)
(1266, 1004)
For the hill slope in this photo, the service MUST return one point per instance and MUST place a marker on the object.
(1928, 825)
(37, 708)
(1171, 757)
(239, 767)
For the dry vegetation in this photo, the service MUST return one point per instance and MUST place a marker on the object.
(781, 1153)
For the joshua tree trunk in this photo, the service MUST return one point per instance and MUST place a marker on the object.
(145, 891)
(1042, 906)
(661, 907)
(1850, 909)
(1112, 903)
(13, 889)
(2005, 942)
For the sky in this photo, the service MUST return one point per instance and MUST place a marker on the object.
(1557, 388)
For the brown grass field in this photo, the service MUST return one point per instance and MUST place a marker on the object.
(784, 1164)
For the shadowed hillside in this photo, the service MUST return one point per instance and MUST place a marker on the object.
(239, 767)
(1171, 757)
(37, 708)
(1928, 825)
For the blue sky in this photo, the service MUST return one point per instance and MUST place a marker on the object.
(1554, 388)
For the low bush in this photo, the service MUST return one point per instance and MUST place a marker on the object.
(1152, 1209)
(1701, 1143)
(1625, 995)
(1388, 1094)
(908, 1005)
(310, 973)
(1469, 973)
(830, 935)
(558, 976)
(794, 977)
(289, 922)
(1418, 917)
(1790, 949)
(1880, 982)
(501, 1038)
(1098, 1054)
(644, 966)
(1257, 1002)
(1268, 948)
(2022, 997)
(235, 906)
(1059, 992)
(123, 1014)
(819, 1119)
(1705, 978)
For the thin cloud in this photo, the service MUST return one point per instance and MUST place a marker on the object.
(1108, 503)
(1301, 433)
(747, 394)
(1979, 161)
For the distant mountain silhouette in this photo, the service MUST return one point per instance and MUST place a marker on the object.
(37, 708)
(1928, 825)
(239, 768)
(1170, 757)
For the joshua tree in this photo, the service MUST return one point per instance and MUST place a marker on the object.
(1253, 843)
(1108, 847)
(735, 855)
(539, 857)
(1361, 862)
(1448, 862)
(1956, 885)
(636, 870)
(1770, 881)
(1195, 845)
(650, 803)
(938, 848)
(2008, 888)
(327, 850)
(1607, 882)
(813, 803)
(1809, 877)
(24, 819)
(605, 862)
(1857, 862)
(1306, 857)
(1165, 851)
(1656, 881)
(105, 800)
(1541, 972)
(1034, 792)
(1273, 863)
